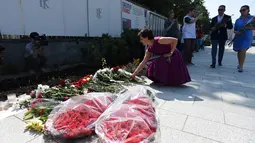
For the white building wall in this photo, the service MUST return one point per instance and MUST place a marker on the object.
(11, 17)
(44, 17)
(75, 17)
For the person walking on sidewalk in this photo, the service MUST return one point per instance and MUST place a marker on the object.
(189, 35)
(243, 40)
(219, 25)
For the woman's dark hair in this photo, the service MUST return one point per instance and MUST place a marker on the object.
(33, 35)
(146, 33)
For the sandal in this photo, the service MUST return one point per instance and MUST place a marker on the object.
(240, 70)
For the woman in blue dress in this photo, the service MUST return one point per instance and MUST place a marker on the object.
(244, 39)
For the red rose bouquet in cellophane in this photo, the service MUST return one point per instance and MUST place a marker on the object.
(75, 117)
(130, 119)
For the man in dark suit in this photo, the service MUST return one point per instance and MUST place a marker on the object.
(219, 26)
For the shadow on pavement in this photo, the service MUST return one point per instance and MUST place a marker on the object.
(180, 93)
(48, 139)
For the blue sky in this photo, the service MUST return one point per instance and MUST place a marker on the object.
(232, 7)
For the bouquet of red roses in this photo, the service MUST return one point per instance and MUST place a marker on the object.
(130, 119)
(75, 117)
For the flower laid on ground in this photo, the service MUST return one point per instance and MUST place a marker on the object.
(66, 89)
(132, 66)
(42, 88)
(44, 99)
(132, 121)
(32, 93)
(122, 75)
(64, 122)
(35, 124)
(136, 62)
(75, 117)
(40, 108)
(99, 86)
(111, 80)
(128, 131)
(82, 81)
(61, 93)
(128, 124)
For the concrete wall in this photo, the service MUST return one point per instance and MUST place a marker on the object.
(61, 17)
(58, 52)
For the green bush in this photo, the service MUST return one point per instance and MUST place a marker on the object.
(91, 54)
(116, 51)
(134, 44)
(8, 69)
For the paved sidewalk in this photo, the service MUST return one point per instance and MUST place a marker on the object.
(217, 106)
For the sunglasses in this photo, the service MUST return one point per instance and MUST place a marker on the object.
(242, 10)
(220, 9)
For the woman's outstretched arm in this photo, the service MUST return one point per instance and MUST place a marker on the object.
(142, 64)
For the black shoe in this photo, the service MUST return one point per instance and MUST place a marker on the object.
(212, 66)
(220, 64)
(189, 64)
(192, 64)
(240, 70)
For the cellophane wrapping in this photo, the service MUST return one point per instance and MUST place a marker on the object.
(76, 117)
(131, 118)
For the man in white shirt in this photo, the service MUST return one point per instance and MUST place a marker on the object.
(189, 35)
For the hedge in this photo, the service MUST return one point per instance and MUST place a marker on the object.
(116, 51)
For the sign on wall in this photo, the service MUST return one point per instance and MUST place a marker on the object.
(126, 7)
(104, 17)
(44, 4)
(134, 13)
(126, 23)
(98, 17)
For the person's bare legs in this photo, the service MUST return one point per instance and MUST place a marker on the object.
(241, 55)
(238, 58)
